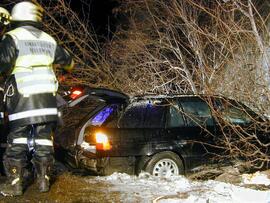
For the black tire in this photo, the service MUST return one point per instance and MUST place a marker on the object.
(165, 164)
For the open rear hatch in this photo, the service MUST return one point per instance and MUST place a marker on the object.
(80, 151)
(78, 94)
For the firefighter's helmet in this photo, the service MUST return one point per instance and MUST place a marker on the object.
(27, 11)
(4, 16)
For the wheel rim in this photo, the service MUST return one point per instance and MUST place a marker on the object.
(165, 168)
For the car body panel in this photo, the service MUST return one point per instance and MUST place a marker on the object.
(133, 142)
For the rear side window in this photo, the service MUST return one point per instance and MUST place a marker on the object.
(133, 116)
(197, 112)
(143, 114)
(155, 116)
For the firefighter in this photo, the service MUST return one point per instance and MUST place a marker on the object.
(4, 22)
(28, 54)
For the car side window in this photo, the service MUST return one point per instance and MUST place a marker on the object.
(133, 116)
(197, 112)
(155, 116)
(233, 113)
(175, 117)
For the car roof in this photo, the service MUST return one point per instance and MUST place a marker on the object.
(106, 93)
(173, 96)
(114, 96)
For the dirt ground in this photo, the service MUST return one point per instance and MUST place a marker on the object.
(67, 187)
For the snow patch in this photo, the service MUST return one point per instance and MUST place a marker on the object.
(146, 188)
(255, 178)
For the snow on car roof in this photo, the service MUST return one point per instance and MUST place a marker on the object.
(164, 96)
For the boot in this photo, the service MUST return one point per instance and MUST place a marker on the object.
(43, 169)
(13, 186)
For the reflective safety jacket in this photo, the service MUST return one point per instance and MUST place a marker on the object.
(33, 67)
(27, 54)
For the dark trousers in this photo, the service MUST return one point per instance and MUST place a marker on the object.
(19, 144)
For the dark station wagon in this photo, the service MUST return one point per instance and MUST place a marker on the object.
(164, 135)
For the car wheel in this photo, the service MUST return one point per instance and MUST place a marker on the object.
(165, 164)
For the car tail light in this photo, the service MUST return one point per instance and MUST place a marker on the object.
(75, 93)
(102, 141)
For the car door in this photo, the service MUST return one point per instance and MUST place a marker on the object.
(239, 128)
(155, 139)
(127, 137)
(191, 124)
(140, 130)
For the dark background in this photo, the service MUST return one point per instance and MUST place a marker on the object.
(100, 14)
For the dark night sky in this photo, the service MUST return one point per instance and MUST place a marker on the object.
(100, 14)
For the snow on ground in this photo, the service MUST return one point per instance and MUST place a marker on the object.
(255, 178)
(146, 188)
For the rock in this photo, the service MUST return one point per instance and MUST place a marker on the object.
(230, 175)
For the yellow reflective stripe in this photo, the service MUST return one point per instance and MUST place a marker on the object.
(44, 142)
(33, 113)
(21, 140)
(35, 60)
(39, 89)
(32, 60)
(36, 77)
(21, 69)
(36, 80)
(14, 182)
